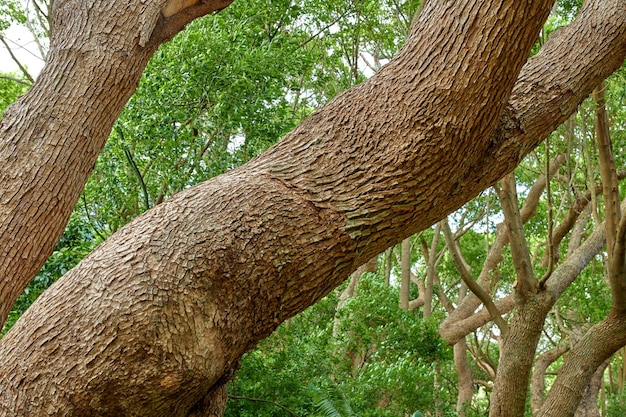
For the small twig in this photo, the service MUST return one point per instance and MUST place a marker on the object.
(550, 241)
(261, 400)
(19, 64)
(467, 278)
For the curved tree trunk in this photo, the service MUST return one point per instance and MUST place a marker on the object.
(538, 381)
(598, 344)
(52, 136)
(588, 406)
(155, 318)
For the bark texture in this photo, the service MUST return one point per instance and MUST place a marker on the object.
(588, 406)
(598, 344)
(538, 382)
(152, 321)
(517, 352)
(52, 136)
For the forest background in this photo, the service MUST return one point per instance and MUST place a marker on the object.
(404, 335)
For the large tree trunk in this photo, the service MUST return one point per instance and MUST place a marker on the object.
(153, 321)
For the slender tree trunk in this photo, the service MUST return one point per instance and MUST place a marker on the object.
(517, 353)
(431, 270)
(388, 260)
(154, 319)
(406, 274)
(465, 379)
(588, 406)
(538, 382)
(598, 344)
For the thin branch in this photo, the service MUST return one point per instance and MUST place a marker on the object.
(431, 270)
(526, 282)
(467, 278)
(405, 261)
(133, 165)
(607, 169)
(261, 400)
(550, 242)
(92, 223)
(33, 31)
(16, 80)
(615, 228)
(19, 64)
(324, 29)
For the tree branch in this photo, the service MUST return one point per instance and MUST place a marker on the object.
(526, 282)
(17, 61)
(261, 400)
(538, 382)
(467, 278)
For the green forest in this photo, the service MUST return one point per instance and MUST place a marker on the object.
(436, 325)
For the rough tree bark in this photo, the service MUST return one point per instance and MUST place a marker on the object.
(588, 406)
(153, 320)
(606, 337)
(52, 136)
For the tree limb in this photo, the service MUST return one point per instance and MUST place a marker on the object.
(469, 280)
(526, 282)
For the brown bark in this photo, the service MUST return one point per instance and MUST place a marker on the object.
(52, 135)
(532, 304)
(598, 344)
(517, 352)
(538, 382)
(517, 349)
(150, 322)
(588, 406)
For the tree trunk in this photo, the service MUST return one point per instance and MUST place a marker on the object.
(588, 406)
(598, 344)
(431, 270)
(151, 322)
(52, 136)
(538, 382)
(388, 263)
(517, 353)
(405, 284)
(465, 379)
